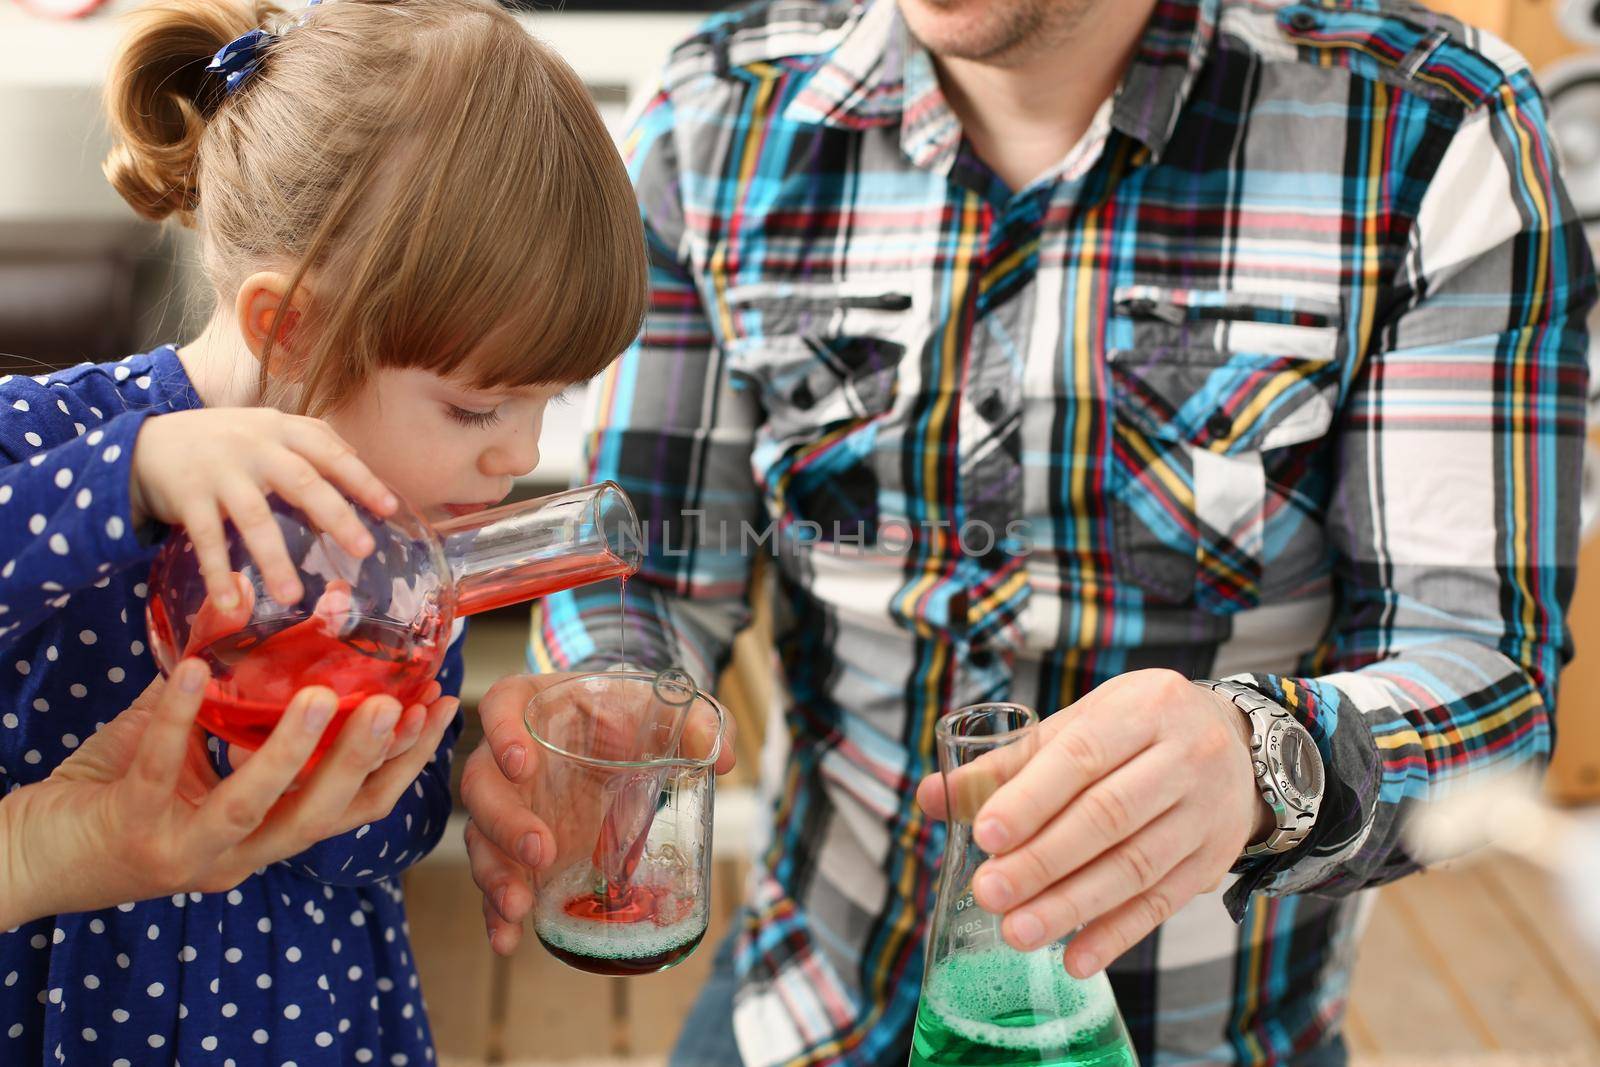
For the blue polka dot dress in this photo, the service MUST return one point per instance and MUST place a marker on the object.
(307, 962)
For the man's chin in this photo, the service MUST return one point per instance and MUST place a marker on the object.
(997, 32)
(957, 31)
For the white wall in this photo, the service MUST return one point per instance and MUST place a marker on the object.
(53, 197)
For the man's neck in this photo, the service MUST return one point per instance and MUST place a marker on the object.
(1024, 114)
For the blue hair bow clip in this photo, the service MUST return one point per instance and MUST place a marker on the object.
(241, 57)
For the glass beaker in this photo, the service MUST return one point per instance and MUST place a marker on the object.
(380, 624)
(983, 1002)
(629, 891)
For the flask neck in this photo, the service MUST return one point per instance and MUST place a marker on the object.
(971, 761)
(517, 552)
(980, 748)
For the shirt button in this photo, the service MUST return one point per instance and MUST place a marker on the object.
(992, 407)
(1302, 22)
(1219, 425)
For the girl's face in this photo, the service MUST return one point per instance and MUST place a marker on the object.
(447, 448)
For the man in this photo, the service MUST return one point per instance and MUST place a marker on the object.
(1080, 350)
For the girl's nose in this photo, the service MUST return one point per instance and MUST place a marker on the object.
(510, 459)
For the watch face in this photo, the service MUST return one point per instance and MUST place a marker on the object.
(1299, 765)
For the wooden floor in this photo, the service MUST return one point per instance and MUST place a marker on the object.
(1465, 967)
(1474, 964)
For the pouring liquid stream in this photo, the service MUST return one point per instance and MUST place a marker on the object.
(631, 803)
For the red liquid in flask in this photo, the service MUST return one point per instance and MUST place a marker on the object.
(629, 932)
(272, 670)
(534, 580)
(257, 670)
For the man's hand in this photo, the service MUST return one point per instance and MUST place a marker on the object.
(1137, 798)
(506, 840)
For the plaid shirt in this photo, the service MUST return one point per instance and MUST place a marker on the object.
(1280, 374)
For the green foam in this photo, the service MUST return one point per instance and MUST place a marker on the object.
(973, 993)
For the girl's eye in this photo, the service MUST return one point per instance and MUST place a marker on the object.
(563, 398)
(476, 419)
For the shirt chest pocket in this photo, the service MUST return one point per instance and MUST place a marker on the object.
(810, 385)
(826, 368)
(1218, 397)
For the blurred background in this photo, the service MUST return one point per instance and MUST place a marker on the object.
(1474, 964)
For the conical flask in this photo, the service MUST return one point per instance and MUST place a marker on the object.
(984, 1002)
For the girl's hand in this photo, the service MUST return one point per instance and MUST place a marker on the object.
(196, 469)
(137, 811)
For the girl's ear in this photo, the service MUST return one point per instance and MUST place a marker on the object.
(260, 308)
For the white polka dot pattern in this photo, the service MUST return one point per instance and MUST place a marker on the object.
(301, 952)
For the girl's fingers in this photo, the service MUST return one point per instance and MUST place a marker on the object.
(214, 621)
(164, 746)
(254, 520)
(302, 485)
(204, 527)
(328, 452)
(237, 806)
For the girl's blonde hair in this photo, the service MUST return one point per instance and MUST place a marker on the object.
(440, 177)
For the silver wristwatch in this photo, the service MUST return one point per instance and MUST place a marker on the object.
(1287, 764)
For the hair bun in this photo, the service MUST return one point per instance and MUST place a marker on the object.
(159, 95)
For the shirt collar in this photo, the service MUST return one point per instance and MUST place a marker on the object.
(1176, 43)
(877, 75)
(861, 83)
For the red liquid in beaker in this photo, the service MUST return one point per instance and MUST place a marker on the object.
(634, 904)
(617, 951)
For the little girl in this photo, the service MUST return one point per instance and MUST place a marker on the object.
(418, 232)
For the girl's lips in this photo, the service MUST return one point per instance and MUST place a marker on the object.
(458, 510)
